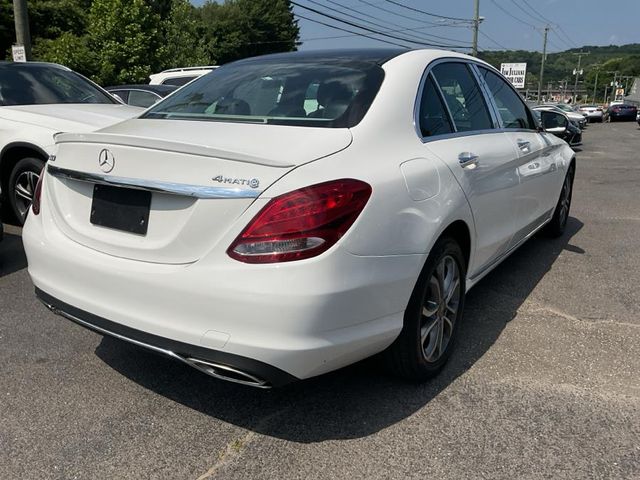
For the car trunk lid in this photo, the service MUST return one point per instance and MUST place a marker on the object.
(199, 178)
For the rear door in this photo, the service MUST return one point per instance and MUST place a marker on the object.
(457, 126)
(536, 197)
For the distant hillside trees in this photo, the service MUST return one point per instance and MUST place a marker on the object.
(121, 41)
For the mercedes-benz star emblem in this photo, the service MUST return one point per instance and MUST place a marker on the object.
(106, 162)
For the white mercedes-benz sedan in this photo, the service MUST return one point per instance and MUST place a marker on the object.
(287, 215)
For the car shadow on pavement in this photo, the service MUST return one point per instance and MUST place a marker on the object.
(12, 257)
(358, 400)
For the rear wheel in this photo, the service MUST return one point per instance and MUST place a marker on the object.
(558, 223)
(432, 315)
(22, 184)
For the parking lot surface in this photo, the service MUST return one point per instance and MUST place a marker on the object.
(545, 381)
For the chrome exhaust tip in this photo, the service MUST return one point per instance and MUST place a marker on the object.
(227, 373)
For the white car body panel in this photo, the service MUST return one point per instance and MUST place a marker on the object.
(303, 317)
(35, 125)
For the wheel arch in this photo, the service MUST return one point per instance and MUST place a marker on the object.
(461, 233)
(14, 152)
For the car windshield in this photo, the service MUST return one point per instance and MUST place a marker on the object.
(278, 91)
(31, 84)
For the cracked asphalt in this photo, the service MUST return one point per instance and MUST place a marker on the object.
(545, 382)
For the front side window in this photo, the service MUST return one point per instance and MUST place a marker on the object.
(316, 93)
(463, 96)
(44, 84)
(511, 108)
(434, 119)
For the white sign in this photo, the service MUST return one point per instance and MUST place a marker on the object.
(515, 73)
(18, 53)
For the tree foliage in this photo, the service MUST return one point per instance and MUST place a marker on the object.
(115, 41)
(125, 35)
(624, 59)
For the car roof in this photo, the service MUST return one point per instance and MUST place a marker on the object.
(161, 89)
(368, 55)
(8, 64)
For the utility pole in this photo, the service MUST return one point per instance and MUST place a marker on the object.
(23, 37)
(613, 85)
(577, 74)
(476, 27)
(595, 86)
(544, 57)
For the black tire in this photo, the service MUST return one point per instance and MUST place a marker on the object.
(556, 227)
(408, 356)
(21, 185)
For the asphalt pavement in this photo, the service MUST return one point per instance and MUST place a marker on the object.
(545, 382)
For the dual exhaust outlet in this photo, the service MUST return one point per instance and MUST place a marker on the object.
(213, 369)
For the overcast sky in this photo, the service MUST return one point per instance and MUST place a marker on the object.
(575, 22)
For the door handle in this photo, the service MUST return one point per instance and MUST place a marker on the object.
(524, 145)
(468, 159)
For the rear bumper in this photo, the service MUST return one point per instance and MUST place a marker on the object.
(240, 369)
(278, 322)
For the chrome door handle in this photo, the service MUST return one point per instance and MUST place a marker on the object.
(523, 144)
(467, 159)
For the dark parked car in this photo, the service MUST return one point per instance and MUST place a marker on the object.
(141, 95)
(559, 125)
(622, 112)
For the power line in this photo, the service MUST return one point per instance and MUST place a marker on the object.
(351, 31)
(423, 36)
(429, 13)
(511, 15)
(567, 37)
(539, 15)
(521, 8)
(570, 43)
(413, 19)
(361, 27)
(350, 35)
(492, 40)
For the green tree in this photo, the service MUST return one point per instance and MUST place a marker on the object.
(245, 28)
(70, 50)
(183, 45)
(125, 36)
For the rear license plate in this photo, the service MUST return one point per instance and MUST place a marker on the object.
(120, 208)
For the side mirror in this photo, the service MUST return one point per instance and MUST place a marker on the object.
(554, 122)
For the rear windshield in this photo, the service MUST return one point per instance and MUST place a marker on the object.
(278, 91)
(44, 84)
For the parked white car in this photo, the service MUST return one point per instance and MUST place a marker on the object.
(263, 238)
(179, 76)
(38, 100)
(594, 113)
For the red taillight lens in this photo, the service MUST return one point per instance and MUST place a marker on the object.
(37, 193)
(301, 224)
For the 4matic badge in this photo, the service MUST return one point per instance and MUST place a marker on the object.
(253, 182)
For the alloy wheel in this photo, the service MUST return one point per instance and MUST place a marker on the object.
(23, 191)
(565, 200)
(440, 309)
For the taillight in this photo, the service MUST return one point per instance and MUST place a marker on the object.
(301, 224)
(37, 193)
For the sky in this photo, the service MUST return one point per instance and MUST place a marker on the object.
(574, 23)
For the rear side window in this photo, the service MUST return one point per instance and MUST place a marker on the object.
(511, 108)
(139, 98)
(463, 96)
(434, 119)
(178, 81)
